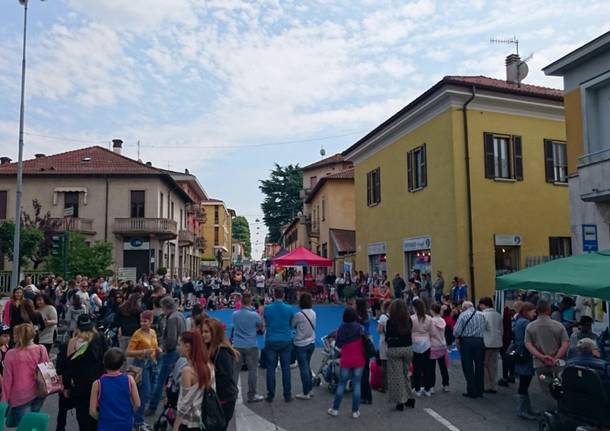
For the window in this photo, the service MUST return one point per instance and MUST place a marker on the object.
(181, 219)
(325, 250)
(560, 246)
(216, 235)
(503, 157)
(3, 204)
(216, 215)
(373, 187)
(323, 208)
(161, 206)
(555, 161)
(71, 204)
(137, 203)
(171, 211)
(312, 182)
(318, 217)
(417, 172)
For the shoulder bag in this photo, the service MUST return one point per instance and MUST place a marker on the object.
(212, 415)
(47, 380)
(310, 324)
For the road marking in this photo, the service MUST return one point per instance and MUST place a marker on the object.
(441, 420)
(247, 420)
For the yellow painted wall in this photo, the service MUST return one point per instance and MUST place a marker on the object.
(531, 208)
(224, 234)
(574, 130)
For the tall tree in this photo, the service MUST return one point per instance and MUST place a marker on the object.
(282, 201)
(45, 224)
(241, 232)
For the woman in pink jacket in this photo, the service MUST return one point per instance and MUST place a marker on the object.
(19, 388)
(438, 347)
(423, 367)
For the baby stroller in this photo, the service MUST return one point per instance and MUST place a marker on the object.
(165, 421)
(329, 368)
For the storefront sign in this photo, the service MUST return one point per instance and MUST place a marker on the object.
(136, 244)
(127, 274)
(589, 237)
(508, 240)
(376, 248)
(417, 243)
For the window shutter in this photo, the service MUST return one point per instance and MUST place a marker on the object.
(410, 171)
(488, 139)
(3, 199)
(377, 186)
(548, 161)
(424, 169)
(518, 157)
(368, 188)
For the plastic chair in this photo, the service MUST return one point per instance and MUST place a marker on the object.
(3, 410)
(34, 422)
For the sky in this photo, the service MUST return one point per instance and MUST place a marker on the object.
(227, 88)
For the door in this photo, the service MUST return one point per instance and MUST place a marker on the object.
(138, 259)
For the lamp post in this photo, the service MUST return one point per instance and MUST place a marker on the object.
(19, 189)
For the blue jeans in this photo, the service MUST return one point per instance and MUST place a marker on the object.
(145, 387)
(304, 359)
(275, 350)
(15, 414)
(355, 375)
(165, 365)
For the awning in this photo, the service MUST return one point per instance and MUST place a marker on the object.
(343, 240)
(587, 275)
(301, 257)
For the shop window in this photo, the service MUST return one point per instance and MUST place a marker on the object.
(71, 204)
(503, 157)
(373, 187)
(507, 259)
(417, 170)
(560, 246)
(555, 161)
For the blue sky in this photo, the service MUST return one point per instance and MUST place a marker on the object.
(193, 79)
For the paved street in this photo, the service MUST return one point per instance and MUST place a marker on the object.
(458, 413)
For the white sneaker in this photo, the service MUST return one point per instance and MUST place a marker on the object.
(334, 413)
(428, 393)
(419, 393)
(431, 390)
(294, 365)
(256, 398)
(303, 396)
(356, 414)
(445, 388)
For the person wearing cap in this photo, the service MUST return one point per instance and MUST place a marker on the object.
(175, 325)
(85, 365)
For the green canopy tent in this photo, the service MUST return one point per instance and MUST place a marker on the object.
(587, 275)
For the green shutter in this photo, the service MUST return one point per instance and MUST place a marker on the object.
(518, 157)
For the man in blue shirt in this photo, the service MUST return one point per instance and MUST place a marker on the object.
(278, 343)
(246, 322)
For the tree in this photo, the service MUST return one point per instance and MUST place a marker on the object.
(282, 201)
(89, 260)
(241, 232)
(31, 238)
(47, 225)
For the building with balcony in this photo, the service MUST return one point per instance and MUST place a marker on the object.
(586, 80)
(143, 211)
(217, 231)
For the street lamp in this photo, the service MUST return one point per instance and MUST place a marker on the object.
(18, 192)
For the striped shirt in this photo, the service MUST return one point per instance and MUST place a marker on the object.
(467, 327)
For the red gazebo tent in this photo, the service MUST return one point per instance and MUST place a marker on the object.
(301, 257)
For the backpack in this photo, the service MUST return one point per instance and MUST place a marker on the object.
(212, 414)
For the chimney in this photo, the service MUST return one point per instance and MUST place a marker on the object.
(117, 145)
(5, 160)
(186, 171)
(149, 164)
(513, 62)
(39, 155)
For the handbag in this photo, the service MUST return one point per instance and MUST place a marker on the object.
(135, 372)
(369, 348)
(519, 355)
(47, 380)
(212, 414)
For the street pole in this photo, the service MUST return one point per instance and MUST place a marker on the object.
(17, 237)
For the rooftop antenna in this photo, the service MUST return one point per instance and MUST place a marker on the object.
(510, 41)
(138, 149)
(516, 69)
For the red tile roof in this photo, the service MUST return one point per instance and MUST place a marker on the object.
(347, 174)
(84, 161)
(336, 158)
(345, 240)
(480, 83)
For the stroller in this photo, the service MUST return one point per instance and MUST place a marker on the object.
(329, 368)
(165, 421)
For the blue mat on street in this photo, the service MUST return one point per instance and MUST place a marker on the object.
(328, 319)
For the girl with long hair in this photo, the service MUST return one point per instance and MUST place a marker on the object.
(12, 313)
(398, 339)
(127, 319)
(365, 320)
(197, 376)
(423, 366)
(49, 315)
(223, 356)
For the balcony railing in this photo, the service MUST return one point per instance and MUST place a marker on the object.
(597, 156)
(74, 224)
(186, 238)
(161, 227)
(200, 244)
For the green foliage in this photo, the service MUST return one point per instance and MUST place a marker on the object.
(282, 201)
(29, 243)
(90, 260)
(47, 225)
(241, 232)
(162, 271)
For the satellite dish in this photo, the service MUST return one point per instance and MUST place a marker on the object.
(523, 71)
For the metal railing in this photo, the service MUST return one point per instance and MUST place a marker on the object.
(5, 279)
(597, 156)
(537, 260)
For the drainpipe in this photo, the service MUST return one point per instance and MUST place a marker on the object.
(469, 193)
(106, 213)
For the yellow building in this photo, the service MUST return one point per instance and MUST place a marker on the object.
(457, 181)
(333, 219)
(217, 230)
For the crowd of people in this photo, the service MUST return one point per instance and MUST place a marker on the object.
(119, 345)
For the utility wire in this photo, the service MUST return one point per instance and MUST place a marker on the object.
(62, 138)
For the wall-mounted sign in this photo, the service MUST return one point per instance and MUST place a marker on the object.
(589, 238)
(136, 244)
(376, 248)
(508, 240)
(417, 243)
(127, 274)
